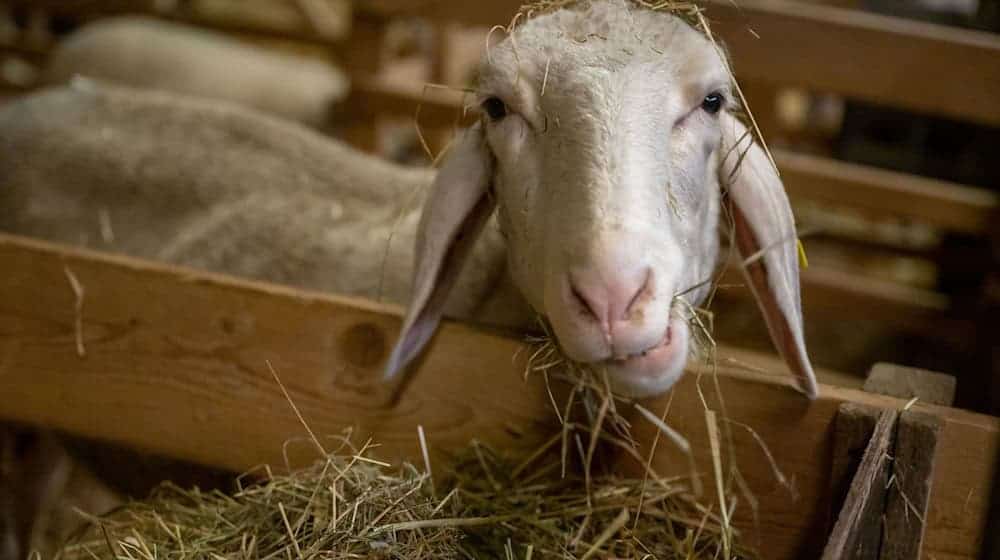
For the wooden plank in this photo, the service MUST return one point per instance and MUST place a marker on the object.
(947, 205)
(175, 364)
(892, 61)
(838, 293)
(857, 534)
(907, 383)
(852, 430)
(428, 105)
(908, 64)
(912, 475)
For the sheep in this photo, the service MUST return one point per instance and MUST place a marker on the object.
(216, 186)
(150, 53)
(607, 139)
(589, 192)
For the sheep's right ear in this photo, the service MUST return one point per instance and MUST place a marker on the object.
(457, 208)
(766, 239)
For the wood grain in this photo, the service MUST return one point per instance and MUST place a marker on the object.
(942, 204)
(913, 472)
(852, 431)
(857, 534)
(176, 364)
(791, 520)
(891, 61)
(908, 383)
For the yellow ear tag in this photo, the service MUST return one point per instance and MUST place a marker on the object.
(803, 259)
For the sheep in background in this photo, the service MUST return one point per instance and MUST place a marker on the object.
(605, 143)
(155, 54)
(216, 186)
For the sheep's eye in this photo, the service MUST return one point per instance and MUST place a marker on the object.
(495, 108)
(712, 103)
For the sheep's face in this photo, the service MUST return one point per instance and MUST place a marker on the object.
(604, 140)
(605, 176)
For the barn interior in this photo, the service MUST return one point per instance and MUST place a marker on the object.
(883, 119)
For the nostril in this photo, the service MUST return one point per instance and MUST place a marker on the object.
(585, 304)
(644, 290)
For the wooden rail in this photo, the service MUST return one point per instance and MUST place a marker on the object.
(949, 206)
(174, 361)
(906, 64)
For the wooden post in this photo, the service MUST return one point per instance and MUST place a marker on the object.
(858, 532)
(907, 383)
(906, 509)
(364, 60)
(899, 525)
(988, 353)
(852, 431)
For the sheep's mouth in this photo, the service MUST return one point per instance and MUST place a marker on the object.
(658, 359)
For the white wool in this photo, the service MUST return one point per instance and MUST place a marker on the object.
(151, 53)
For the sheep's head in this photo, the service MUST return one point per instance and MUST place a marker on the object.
(605, 137)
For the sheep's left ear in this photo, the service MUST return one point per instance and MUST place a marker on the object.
(766, 239)
(456, 209)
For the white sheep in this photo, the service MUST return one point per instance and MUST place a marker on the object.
(605, 144)
(220, 187)
(150, 53)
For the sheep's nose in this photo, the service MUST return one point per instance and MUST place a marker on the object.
(611, 297)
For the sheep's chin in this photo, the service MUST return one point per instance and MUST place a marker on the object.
(655, 371)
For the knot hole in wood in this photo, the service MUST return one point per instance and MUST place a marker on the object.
(363, 345)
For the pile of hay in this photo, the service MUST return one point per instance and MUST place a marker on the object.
(352, 506)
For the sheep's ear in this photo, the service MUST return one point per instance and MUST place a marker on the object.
(458, 206)
(764, 231)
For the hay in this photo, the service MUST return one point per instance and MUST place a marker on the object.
(347, 507)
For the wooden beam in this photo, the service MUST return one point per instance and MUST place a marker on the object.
(950, 206)
(174, 362)
(908, 383)
(907, 64)
(892, 61)
(857, 534)
(837, 293)
(913, 461)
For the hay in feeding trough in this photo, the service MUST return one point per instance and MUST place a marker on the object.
(352, 506)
